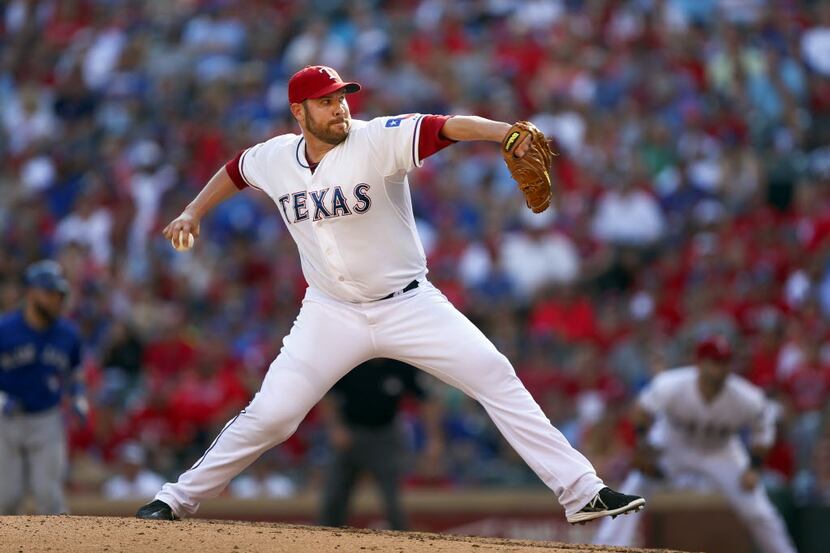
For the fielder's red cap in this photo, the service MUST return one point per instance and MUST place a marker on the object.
(714, 347)
(316, 81)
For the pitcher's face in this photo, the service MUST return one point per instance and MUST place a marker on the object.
(328, 118)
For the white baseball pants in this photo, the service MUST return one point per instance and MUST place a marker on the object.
(420, 327)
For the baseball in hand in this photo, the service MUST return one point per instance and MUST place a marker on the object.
(184, 243)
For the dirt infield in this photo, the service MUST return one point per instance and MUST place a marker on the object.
(71, 534)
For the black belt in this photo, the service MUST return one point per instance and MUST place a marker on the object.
(411, 286)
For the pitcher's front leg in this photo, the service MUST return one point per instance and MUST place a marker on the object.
(426, 331)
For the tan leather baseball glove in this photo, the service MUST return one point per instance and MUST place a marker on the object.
(531, 171)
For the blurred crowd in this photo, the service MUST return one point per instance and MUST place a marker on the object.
(692, 196)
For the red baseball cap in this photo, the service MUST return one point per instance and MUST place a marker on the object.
(316, 81)
(714, 347)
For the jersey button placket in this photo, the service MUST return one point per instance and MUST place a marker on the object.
(326, 241)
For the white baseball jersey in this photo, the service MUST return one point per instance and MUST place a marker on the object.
(352, 216)
(684, 419)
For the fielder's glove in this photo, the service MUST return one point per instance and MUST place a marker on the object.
(531, 171)
(647, 460)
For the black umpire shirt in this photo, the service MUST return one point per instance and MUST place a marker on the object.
(370, 394)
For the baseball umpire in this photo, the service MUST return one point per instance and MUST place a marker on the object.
(360, 413)
(40, 353)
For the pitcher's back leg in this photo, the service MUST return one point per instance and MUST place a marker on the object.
(325, 342)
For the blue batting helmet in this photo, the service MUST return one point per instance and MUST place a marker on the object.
(47, 275)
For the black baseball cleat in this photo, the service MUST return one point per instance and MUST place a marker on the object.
(607, 503)
(156, 510)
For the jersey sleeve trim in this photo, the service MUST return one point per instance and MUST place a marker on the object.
(242, 170)
(233, 168)
(236, 171)
(415, 140)
(430, 140)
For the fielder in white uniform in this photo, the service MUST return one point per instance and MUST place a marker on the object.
(341, 188)
(697, 414)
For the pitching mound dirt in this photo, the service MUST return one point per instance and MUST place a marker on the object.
(70, 534)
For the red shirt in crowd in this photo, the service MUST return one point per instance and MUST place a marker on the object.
(570, 320)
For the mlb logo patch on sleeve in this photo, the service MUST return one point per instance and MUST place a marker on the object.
(396, 121)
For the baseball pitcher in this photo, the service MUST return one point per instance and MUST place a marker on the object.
(342, 191)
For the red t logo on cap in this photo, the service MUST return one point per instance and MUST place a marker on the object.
(328, 71)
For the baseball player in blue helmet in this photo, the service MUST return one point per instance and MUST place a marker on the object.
(40, 355)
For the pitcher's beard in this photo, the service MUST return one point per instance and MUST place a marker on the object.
(326, 134)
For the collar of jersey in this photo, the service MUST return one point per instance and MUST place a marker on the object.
(297, 153)
(301, 158)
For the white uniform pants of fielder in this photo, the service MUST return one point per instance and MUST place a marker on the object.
(720, 472)
(420, 327)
